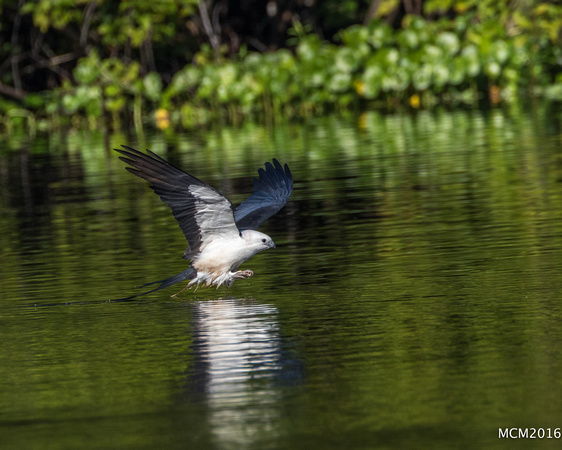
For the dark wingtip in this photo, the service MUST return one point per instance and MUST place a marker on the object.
(282, 168)
(127, 149)
(274, 174)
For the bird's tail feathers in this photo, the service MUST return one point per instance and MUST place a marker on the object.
(187, 274)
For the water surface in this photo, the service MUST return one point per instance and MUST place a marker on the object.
(413, 301)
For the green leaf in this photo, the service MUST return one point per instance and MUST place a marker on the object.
(493, 69)
(152, 86)
(448, 42)
(34, 101)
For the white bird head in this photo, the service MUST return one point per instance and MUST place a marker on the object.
(257, 241)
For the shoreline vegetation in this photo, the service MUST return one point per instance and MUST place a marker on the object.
(192, 63)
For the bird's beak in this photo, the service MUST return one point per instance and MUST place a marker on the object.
(272, 245)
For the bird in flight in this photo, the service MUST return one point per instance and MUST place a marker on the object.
(220, 238)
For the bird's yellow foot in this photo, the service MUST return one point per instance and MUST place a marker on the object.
(244, 274)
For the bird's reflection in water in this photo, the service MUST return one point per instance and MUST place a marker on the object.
(240, 368)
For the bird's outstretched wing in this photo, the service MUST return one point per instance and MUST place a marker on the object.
(201, 211)
(271, 191)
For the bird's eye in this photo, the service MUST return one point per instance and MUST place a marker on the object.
(264, 240)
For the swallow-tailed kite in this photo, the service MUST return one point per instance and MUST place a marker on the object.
(220, 238)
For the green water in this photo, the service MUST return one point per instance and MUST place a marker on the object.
(414, 299)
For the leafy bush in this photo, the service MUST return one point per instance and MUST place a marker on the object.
(487, 50)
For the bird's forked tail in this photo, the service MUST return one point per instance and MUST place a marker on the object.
(187, 274)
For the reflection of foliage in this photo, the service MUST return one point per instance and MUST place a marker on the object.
(113, 59)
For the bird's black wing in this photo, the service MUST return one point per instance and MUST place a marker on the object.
(271, 191)
(201, 211)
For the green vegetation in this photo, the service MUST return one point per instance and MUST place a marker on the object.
(86, 62)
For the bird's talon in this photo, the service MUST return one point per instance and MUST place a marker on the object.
(241, 274)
